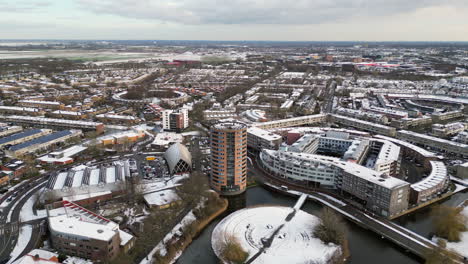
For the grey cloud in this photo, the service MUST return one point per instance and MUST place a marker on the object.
(256, 11)
(12, 6)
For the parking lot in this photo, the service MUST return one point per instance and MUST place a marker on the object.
(152, 167)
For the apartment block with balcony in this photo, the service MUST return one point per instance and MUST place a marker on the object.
(229, 158)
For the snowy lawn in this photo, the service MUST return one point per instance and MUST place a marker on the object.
(27, 213)
(293, 243)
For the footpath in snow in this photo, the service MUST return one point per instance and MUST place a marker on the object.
(161, 248)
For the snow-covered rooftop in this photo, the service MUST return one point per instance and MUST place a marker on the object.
(63, 155)
(438, 175)
(357, 170)
(43, 257)
(161, 198)
(420, 150)
(264, 134)
(79, 222)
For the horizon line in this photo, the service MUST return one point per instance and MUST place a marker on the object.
(201, 40)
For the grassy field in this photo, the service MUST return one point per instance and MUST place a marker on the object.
(75, 55)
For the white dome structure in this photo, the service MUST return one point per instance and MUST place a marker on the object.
(178, 159)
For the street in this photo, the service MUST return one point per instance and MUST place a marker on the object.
(10, 219)
(328, 96)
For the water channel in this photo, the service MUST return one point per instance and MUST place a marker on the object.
(366, 247)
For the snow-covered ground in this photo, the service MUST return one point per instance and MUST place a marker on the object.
(27, 213)
(294, 243)
(133, 217)
(76, 260)
(24, 236)
(459, 188)
(462, 246)
(161, 248)
(167, 183)
(161, 198)
(16, 203)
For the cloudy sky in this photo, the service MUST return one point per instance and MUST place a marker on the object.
(336, 20)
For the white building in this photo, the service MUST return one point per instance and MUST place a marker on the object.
(83, 182)
(295, 121)
(433, 142)
(368, 116)
(63, 156)
(440, 130)
(178, 158)
(255, 115)
(363, 125)
(259, 139)
(80, 232)
(308, 143)
(175, 119)
(310, 170)
(462, 137)
(165, 139)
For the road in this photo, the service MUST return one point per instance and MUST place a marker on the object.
(385, 228)
(328, 96)
(10, 223)
(10, 219)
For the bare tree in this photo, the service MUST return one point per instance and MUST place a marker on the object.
(194, 188)
(448, 222)
(332, 228)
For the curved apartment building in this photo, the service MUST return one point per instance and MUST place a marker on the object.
(378, 192)
(228, 158)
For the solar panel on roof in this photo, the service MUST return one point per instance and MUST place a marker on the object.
(41, 140)
(20, 135)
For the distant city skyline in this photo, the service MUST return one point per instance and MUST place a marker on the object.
(303, 20)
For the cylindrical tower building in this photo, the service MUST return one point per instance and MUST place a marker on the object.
(228, 158)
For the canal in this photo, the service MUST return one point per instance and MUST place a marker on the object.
(365, 246)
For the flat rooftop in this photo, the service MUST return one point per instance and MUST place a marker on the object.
(258, 132)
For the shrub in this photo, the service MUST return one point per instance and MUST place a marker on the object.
(233, 252)
(62, 257)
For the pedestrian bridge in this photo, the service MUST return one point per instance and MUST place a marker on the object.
(301, 201)
(397, 234)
